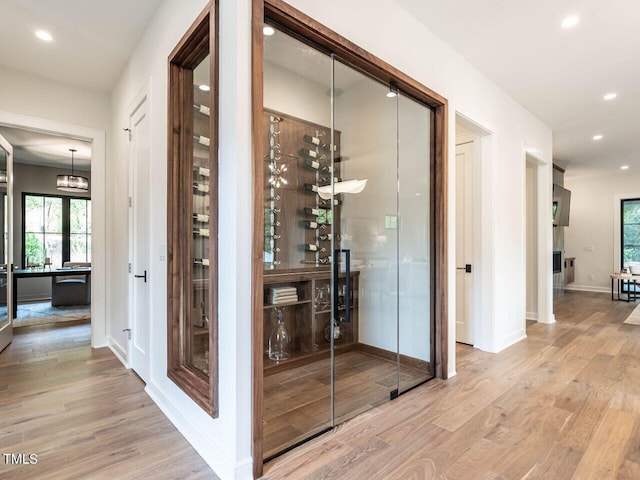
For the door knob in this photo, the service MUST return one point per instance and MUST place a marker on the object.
(142, 276)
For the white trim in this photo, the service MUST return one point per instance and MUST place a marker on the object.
(507, 341)
(118, 352)
(224, 466)
(452, 374)
(532, 316)
(98, 208)
(589, 288)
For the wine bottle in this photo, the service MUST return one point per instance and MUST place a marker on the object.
(310, 224)
(326, 204)
(199, 217)
(311, 163)
(327, 169)
(201, 261)
(311, 211)
(310, 247)
(202, 140)
(201, 187)
(310, 153)
(324, 237)
(325, 260)
(203, 171)
(312, 140)
(202, 109)
(203, 232)
(310, 187)
(327, 180)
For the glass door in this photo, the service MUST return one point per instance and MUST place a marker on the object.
(365, 285)
(6, 254)
(347, 243)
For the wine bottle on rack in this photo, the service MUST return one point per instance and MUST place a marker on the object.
(315, 165)
(311, 247)
(326, 204)
(201, 187)
(327, 180)
(200, 217)
(310, 224)
(202, 140)
(202, 171)
(202, 232)
(201, 261)
(311, 153)
(202, 109)
(325, 260)
(326, 169)
(311, 211)
(312, 140)
(311, 187)
(324, 237)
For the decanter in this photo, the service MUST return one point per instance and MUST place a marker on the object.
(279, 342)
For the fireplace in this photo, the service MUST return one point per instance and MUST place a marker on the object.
(557, 261)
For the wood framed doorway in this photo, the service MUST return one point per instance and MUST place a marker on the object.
(310, 31)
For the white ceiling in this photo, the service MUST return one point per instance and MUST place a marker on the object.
(92, 40)
(559, 75)
(37, 148)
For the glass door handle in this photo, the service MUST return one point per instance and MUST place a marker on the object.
(336, 277)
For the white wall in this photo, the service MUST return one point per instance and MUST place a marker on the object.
(438, 66)
(46, 99)
(591, 236)
(225, 442)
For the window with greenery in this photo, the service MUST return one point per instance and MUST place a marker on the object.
(57, 228)
(630, 234)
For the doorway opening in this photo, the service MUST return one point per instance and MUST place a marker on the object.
(473, 230)
(80, 214)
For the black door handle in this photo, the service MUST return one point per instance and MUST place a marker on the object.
(467, 268)
(142, 276)
(347, 281)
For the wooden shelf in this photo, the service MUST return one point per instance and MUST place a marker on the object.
(299, 302)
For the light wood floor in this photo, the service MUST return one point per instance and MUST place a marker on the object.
(297, 402)
(562, 404)
(82, 413)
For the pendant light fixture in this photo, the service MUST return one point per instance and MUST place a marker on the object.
(72, 183)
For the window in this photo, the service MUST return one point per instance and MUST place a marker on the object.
(55, 228)
(630, 234)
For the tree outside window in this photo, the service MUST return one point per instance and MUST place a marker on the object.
(630, 231)
(58, 228)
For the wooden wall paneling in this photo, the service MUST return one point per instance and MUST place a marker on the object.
(258, 233)
(184, 339)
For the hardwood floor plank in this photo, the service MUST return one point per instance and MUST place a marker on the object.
(563, 403)
(83, 413)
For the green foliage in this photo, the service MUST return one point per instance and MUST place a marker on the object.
(630, 231)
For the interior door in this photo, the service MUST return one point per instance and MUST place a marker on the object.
(464, 243)
(139, 239)
(6, 250)
(365, 192)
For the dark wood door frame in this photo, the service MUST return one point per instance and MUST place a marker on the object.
(319, 36)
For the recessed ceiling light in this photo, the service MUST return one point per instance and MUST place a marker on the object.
(610, 96)
(597, 137)
(42, 35)
(268, 30)
(571, 21)
(204, 88)
(624, 167)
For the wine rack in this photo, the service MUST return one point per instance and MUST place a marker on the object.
(298, 222)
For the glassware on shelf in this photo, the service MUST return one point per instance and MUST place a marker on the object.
(337, 332)
(279, 341)
(323, 297)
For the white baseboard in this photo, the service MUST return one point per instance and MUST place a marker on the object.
(222, 465)
(118, 352)
(452, 374)
(588, 288)
(532, 316)
(506, 342)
